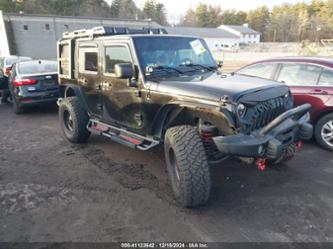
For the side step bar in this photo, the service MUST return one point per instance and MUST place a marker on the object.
(122, 136)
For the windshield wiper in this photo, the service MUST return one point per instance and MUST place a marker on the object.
(208, 68)
(167, 69)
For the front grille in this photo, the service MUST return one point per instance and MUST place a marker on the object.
(262, 114)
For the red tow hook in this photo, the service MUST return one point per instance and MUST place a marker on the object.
(261, 164)
(299, 145)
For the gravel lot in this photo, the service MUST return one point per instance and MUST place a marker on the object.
(51, 190)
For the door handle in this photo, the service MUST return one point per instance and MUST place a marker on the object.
(319, 91)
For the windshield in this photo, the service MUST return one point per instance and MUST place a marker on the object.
(177, 53)
(37, 67)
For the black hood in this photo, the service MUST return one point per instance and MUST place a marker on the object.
(213, 86)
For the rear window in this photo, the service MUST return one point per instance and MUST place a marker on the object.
(326, 78)
(37, 68)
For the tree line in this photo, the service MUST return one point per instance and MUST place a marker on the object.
(283, 23)
(125, 9)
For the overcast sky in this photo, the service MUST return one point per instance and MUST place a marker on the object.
(176, 8)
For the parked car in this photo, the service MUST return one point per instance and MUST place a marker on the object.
(143, 91)
(33, 83)
(6, 64)
(310, 80)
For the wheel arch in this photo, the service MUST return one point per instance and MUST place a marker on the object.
(174, 114)
(167, 116)
(323, 113)
(72, 90)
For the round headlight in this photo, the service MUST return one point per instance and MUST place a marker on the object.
(241, 110)
(287, 95)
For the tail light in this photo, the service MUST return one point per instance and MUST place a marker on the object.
(24, 82)
(6, 71)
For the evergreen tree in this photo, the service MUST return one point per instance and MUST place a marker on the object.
(259, 19)
(155, 11)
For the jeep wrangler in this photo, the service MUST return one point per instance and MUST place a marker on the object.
(144, 88)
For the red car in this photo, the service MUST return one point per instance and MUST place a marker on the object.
(311, 81)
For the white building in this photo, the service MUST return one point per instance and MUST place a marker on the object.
(246, 34)
(216, 39)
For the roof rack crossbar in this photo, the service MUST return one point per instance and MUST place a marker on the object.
(102, 31)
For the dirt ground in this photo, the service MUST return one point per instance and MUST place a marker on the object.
(51, 190)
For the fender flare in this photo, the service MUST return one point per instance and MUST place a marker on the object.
(191, 112)
(70, 90)
(165, 115)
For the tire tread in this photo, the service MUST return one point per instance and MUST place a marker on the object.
(192, 160)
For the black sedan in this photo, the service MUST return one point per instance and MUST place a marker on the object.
(33, 83)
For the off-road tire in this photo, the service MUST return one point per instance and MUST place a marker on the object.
(318, 129)
(76, 131)
(187, 166)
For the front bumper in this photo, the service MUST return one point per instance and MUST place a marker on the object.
(270, 141)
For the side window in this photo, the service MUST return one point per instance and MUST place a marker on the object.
(115, 55)
(91, 63)
(88, 60)
(326, 78)
(265, 71)
(299, 74)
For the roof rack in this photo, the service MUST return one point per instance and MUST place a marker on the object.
(102, 31)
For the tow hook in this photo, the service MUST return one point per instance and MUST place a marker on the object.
(299, 145)
(261, 164)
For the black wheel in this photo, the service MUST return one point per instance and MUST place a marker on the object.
(187, 166)
(73, 120)
(18, 109)
(324, 132)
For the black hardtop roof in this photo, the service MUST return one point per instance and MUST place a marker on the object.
(129, 36)
(112, 31)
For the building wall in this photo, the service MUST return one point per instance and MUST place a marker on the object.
(36, 36)
(222, 43)
(250, 38)
(4, 48)
(243, 38)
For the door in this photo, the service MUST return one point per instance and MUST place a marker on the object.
(122, 103)
(89, 77)
(303, 82)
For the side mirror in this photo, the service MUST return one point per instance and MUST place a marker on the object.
(124, 71)
(219, 64)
